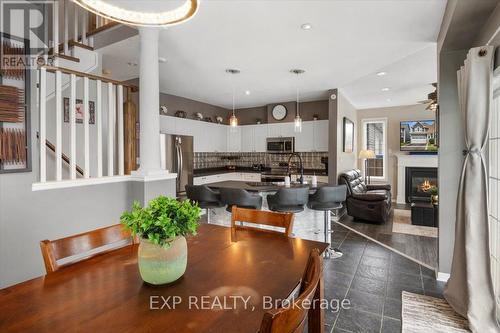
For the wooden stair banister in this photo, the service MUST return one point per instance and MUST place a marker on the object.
(64, 157)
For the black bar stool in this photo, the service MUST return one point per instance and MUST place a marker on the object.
(240, 198)
(205, 197)
(290, 200)
(326, 199)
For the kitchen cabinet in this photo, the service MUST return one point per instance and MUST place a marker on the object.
(281, 130)
(234, 139)
(208, 137)
(304, 141)
(253, 138)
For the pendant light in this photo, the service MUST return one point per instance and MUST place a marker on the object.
(297, 123)
(233, 121)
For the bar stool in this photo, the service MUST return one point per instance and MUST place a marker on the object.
(288, 199)
(326, 199)
(205, 197)
(240, 198)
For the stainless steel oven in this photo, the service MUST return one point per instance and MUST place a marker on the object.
(281, 145)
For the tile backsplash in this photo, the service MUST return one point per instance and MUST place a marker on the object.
(311, 160)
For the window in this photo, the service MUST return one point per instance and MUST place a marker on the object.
(375, 139)
(494, 191)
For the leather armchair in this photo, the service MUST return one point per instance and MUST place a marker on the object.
(366, 202)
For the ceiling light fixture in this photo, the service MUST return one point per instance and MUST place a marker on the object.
(306, 26)
(233, 121)
(247, 92)
(146, 13)
(297, 123)
(381, 73)
(386, 89)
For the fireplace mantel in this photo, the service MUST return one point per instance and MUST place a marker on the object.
(423, 161)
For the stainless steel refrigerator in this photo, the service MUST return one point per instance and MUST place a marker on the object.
(177, 156)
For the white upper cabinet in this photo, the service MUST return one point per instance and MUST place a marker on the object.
(260, 135)
(304, 141)
(247, 138)
(233, 139)
(280, 130)
(320, 135)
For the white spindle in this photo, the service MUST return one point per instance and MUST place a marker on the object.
(59, 111)
(98, 123)
(75, 22)
(72, 126)
(86, 117)
(66, 28)
(111, 128)
(121, 158)
(55, 27)
(43, 108)
(84, 27)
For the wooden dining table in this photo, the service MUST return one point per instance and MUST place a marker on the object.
(106, 293)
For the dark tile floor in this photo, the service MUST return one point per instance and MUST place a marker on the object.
(372, 278)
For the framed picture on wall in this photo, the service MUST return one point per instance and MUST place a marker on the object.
(348, 136)
(79, 111)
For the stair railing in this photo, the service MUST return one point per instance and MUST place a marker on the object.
(114, 130)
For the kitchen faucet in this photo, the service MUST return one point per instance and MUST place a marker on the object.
(301, 179)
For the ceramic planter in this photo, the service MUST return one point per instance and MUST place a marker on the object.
(161, 265)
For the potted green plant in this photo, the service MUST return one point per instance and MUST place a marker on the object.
(434, 195)
(162, 227)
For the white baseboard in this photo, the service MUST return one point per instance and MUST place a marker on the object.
(443, 276)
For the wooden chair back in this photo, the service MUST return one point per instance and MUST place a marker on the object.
(81, 244)
(253, 216)
(292, 318)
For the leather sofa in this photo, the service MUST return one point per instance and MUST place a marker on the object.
(366, 202)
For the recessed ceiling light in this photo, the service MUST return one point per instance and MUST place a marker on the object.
(247, 92)
(306, 26)
(381, 73)
(233, 71)
(388, 100)
(386, 89)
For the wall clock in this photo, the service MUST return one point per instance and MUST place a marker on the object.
(279, 112)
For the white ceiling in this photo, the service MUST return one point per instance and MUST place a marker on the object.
(349, 42)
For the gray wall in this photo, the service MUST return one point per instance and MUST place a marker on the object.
(332, 136)
(346, 161)
(307, 110)
(394, 116)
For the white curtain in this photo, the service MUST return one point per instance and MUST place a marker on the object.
(470, 288)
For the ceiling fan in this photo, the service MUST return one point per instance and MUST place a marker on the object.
(431, 99)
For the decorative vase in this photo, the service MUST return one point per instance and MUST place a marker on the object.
(434, 199)
(161, 265)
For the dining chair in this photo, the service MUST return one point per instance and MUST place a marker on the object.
(253, 216)
(76, 248)
(292, 318)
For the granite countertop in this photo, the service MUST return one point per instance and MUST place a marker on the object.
(258, 187)
(216, 171)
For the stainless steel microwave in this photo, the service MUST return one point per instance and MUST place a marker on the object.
(281, 145)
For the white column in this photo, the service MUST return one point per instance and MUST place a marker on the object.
(149, 103)
(43, 110)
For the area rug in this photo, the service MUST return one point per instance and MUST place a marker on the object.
(425, 314)
(401, 224)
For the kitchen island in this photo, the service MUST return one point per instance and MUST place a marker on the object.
(258, 187)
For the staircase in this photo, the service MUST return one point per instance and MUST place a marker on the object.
(95, 140)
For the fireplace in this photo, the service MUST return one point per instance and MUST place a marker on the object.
(418, 183)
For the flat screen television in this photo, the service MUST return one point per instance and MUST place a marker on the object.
(418, 136)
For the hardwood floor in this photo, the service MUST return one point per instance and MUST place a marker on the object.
(419, 248)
